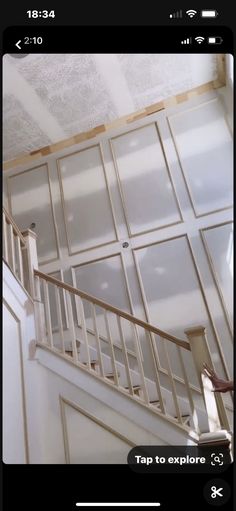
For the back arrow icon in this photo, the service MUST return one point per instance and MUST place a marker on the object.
(18, 44)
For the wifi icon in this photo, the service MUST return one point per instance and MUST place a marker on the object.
(199, 39)
(191, 13)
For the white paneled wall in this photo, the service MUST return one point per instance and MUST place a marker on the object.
(135, 212)
(15, 448)
(55, 413)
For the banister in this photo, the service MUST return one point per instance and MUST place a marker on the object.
(115, 310)
(16, 229)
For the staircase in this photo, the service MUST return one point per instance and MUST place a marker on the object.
(119, 349)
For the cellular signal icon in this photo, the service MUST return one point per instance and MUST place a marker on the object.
(191, 13)
(177, 14)
(187, 41)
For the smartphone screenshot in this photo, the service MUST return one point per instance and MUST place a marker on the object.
(117, 272)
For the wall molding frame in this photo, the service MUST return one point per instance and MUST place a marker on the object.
(99, 147)
(18, 322)
(65, 402)
(45, 164)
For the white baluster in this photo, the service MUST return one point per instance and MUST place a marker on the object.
(32, 259)
(71, 326)
(125, 354)
(110, 342)
(140, 365)
(47, 313)
(5, 238)
(59, 317)
(12, 249)
(84, 330)
(188, 390)
(155, 359)
(99, 351)
(20, 262)
(172, 383)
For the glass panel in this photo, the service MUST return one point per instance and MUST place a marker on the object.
(219, 242)
(30, 202)
(147, 189)
(88, 211)
(205, 150)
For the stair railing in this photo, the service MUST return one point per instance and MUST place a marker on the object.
(15, 250)
(20, 253)
(78, 301)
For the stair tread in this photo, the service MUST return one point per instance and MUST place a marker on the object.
(91, 362)
(133, 387)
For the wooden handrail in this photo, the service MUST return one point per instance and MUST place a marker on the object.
(16, 230)
(115, 310)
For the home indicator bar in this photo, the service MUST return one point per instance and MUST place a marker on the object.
(118, 504)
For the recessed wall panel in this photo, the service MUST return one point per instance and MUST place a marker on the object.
(148, 195)
(204, 145)
(219, 244)
(105, 446)
(172, 294)
(105, 279)
(87, 205)
(30, 200)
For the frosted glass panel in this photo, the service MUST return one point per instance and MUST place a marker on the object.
(147, 190)
(30, 202)
(88, 211)
(219, 242)
(205, 150)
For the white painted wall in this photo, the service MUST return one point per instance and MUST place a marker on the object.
(14, 441)
(59, 413)
(196, 301)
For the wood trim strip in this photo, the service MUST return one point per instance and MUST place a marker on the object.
(25, 159)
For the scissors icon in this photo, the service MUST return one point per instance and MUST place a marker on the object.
(216, 492)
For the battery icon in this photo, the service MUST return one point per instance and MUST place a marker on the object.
(209, 13)
(214, 40)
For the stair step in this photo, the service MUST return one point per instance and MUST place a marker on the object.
(93, 364)
(136, 389)
(185, 418)
(70, 351)
(155, 403)
(111, 375)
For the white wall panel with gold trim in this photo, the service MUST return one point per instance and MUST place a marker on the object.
(124, 196)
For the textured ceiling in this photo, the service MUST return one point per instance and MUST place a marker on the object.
(48, 98)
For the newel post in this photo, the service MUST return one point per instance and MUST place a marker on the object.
(216, 414)
(31, 258)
